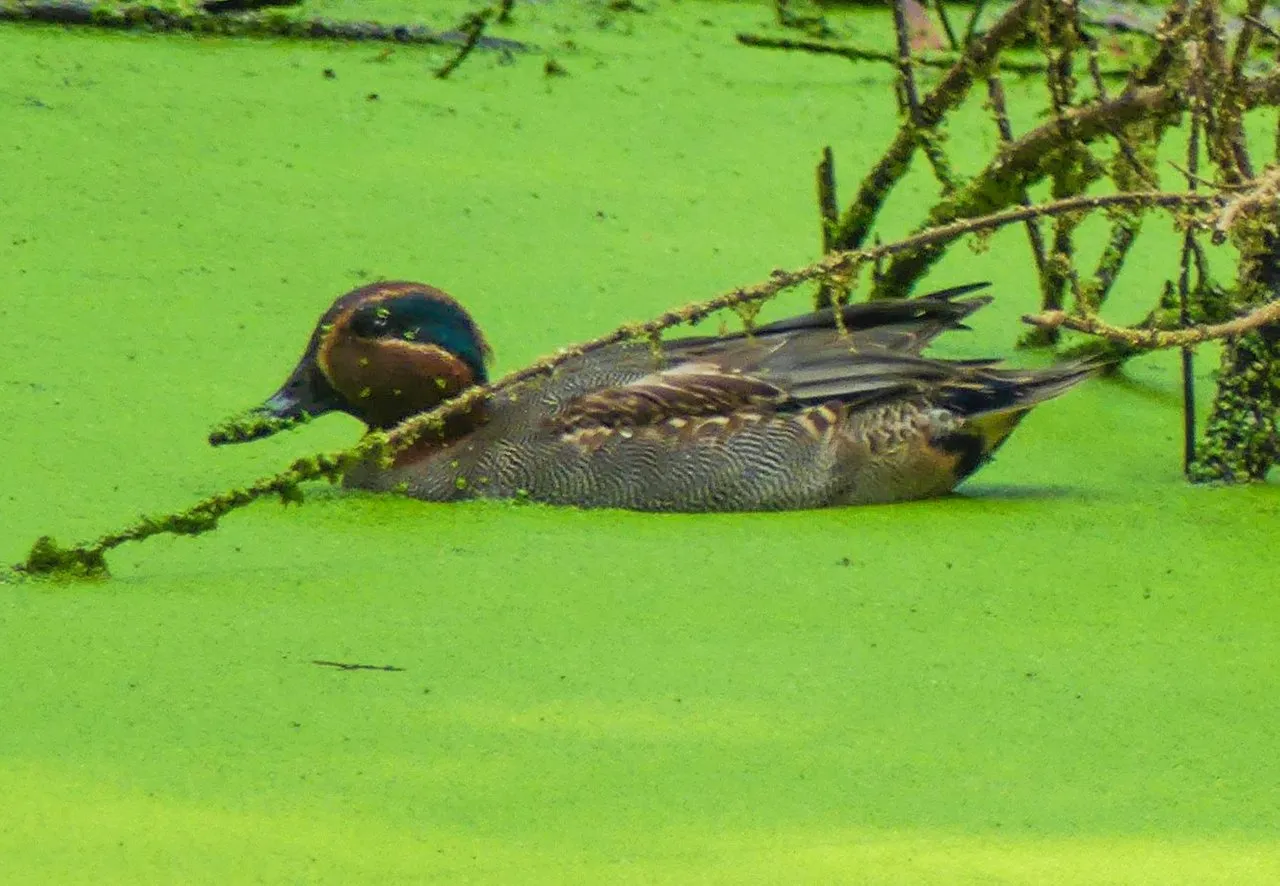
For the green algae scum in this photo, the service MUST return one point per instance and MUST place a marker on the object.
(1065, 673)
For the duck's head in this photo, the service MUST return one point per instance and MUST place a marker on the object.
(381, 353)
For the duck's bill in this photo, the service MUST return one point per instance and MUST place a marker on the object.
(301, 398)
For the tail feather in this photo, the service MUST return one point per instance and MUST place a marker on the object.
(901, 325)
(993, 410)
(987, 390)
(905, 325)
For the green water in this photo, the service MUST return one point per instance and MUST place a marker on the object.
(1066, 674)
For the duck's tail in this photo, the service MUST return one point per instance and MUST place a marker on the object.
(993, 402)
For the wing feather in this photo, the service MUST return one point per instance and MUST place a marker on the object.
(805, 362)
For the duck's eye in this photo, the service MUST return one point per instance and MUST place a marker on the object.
(371, 322)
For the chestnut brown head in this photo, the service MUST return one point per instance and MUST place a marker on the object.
(381, 353)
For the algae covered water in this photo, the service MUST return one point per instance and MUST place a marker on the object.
(1065, 673)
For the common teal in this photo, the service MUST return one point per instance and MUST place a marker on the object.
(806, 412)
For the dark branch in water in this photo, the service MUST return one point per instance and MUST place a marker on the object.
(1198, 103)
(906, 75)
(862, 54)
(952, 40)
(828, 217)
(995, 97)
(225, 6)
(348, 666)
(147, 17)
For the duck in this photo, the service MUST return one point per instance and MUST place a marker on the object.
(834, 407)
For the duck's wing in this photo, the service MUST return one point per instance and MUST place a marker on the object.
(685, 391)
(807, 361)
(899, 325)
(904, 325)
(790, 381)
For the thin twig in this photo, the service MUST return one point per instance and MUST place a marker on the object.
(828, 217)
(473, 27)
(906, 76)
(995, 95)
(1262, 193)
(911, 100)
(350, 666)
(1198, 102)
(1128, 153)
(1053, 29)
(972, 27)
(952, 40)
(1244, 41)
(1262, 26)
(1095, 66)
(1260, 91)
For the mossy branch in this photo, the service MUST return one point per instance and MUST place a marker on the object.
(1150, 339)
(1023, 163)
(1034, 156)
(88, 560)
